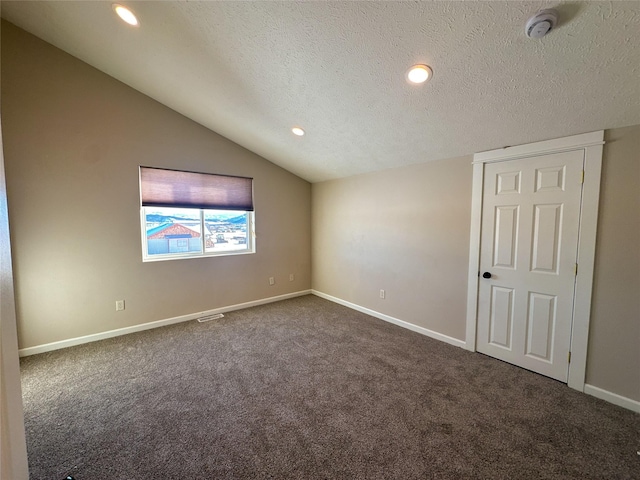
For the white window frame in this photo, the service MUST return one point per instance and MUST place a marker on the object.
(250, 245)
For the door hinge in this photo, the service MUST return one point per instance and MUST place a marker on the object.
(582, 177)
(569, 358)
(575, 269)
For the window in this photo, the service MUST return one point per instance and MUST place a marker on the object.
(187, 214)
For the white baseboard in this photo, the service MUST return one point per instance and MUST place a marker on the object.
(410, 326)
(614, 398)
(147, 326)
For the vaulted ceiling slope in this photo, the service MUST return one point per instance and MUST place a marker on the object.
(252, 70)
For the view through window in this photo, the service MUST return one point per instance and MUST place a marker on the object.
(180, 232)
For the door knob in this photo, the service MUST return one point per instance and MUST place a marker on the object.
(486, 275)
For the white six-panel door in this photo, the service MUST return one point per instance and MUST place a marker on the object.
(529, 243)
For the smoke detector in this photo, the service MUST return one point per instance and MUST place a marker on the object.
(541, 23)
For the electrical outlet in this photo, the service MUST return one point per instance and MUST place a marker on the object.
(119, 305)
(291, 277)
(382, 294)
(272, 281)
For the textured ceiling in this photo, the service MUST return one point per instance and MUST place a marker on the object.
(252, 70)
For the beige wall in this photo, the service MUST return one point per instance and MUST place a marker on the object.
(614, 337)
(74, 138)
(407, 231)
(404, 230)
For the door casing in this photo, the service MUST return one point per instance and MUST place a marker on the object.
(592, 145)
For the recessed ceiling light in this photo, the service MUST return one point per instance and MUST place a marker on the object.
(297, 131)
(419, 73)
(125, 14)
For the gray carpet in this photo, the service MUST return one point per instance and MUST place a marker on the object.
(307, 389)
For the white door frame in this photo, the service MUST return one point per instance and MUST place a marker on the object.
(592, 145)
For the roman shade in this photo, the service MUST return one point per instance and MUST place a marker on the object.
(160, 187)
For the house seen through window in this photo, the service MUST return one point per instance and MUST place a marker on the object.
(178, 221)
